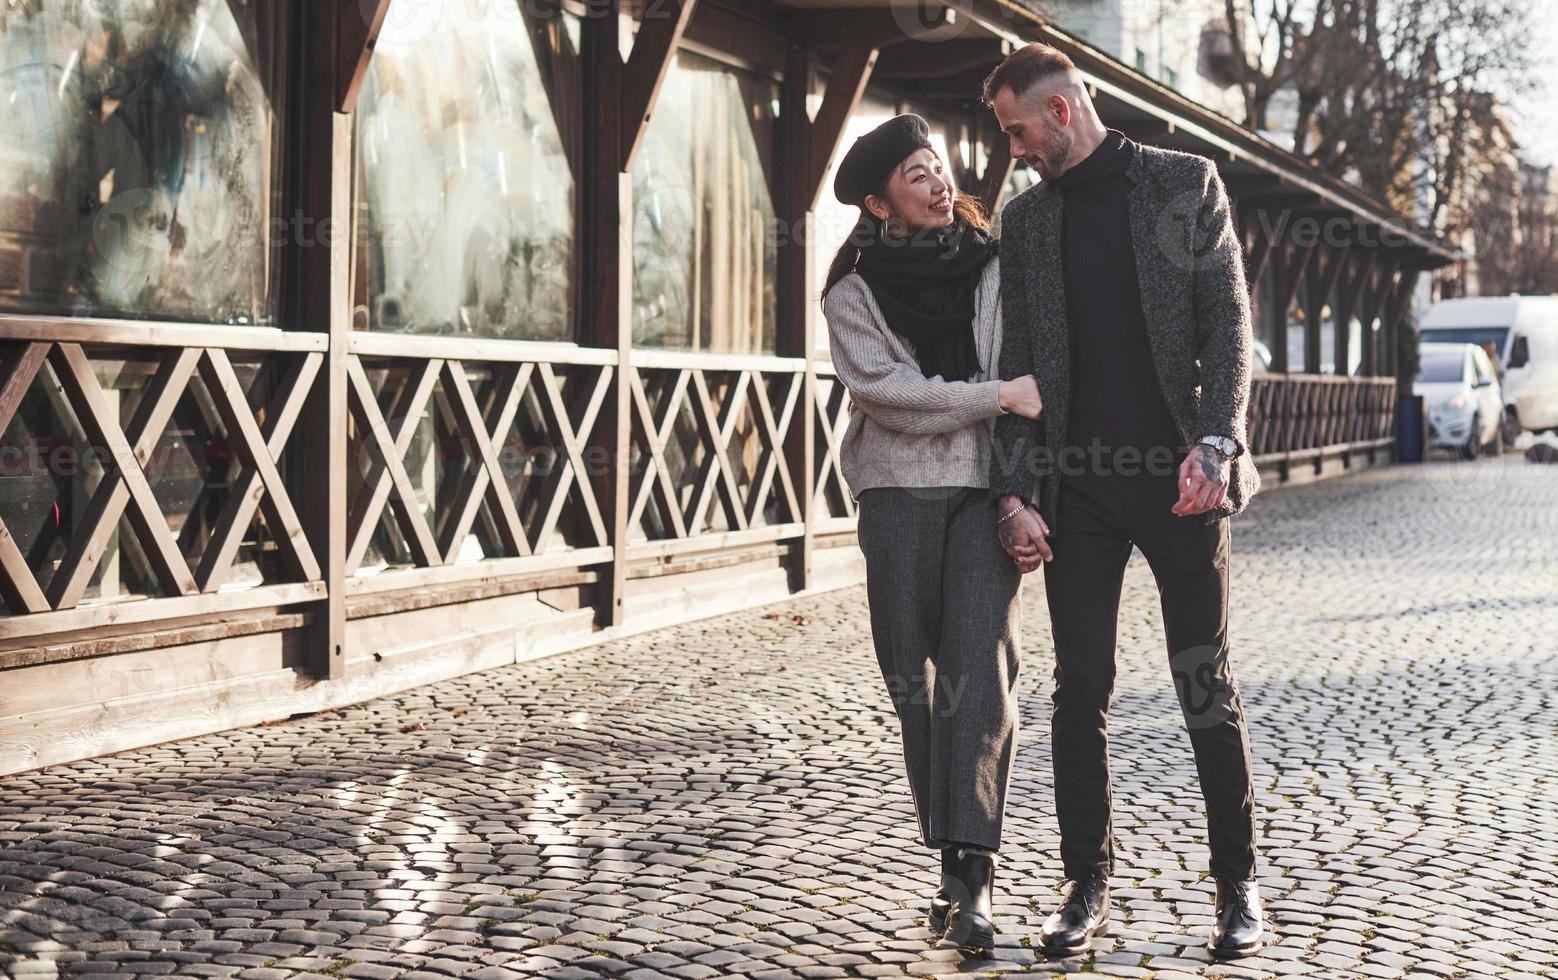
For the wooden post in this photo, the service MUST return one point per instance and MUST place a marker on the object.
(1293, 264)
(606, 306)
(1320, 290)
(795, 334)
(619, 98)
(319, 299)
(1347, 299)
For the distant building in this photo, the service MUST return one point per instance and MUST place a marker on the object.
(1182, 44)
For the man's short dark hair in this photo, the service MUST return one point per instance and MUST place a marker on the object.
(1026, 67)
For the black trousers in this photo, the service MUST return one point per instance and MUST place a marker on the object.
(1098, 518)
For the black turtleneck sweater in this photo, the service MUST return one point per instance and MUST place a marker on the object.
(1115, 395)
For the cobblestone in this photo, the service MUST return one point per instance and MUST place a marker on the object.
(726, 797)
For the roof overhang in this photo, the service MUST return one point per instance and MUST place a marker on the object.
(942, 57)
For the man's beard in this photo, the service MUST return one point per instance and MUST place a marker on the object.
(1053, 164)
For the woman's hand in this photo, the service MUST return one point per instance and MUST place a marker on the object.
(1020, 396)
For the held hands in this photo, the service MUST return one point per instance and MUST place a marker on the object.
(1203, 481)
(1023, 537)
(1020, 396)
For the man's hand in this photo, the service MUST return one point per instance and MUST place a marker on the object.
(1023, 537)
(1203, 481)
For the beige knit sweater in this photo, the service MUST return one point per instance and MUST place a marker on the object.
(907, 430)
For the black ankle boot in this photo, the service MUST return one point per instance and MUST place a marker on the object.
(1083, 915)
(941, 902)
(970, 925)
(1239, 925)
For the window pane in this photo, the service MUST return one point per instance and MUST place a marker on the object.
(464, 191)
(139, 153)
(705, 250)
(1440, 366)
(834, 221)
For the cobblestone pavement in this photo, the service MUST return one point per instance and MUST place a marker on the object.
(726, 798)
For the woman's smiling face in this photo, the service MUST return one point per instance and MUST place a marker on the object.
(919, 193)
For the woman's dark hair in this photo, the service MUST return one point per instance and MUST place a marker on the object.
(966, 208)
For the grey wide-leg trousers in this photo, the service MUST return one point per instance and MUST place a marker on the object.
(945, 622)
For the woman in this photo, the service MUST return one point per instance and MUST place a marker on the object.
(912, 302)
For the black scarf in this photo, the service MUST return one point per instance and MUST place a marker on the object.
(925, 287)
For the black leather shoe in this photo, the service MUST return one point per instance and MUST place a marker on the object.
(1084, 914)
(941, 902)
(1240, 924)
(971, 889)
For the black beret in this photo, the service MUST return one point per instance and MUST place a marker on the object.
(874, 155)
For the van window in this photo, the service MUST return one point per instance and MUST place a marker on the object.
(1467, 335)
(1520, 351)
(1439, 366)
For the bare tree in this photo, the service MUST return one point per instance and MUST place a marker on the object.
(1385, 90)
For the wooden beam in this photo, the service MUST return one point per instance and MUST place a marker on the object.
(999, 164)
(757, 44)
(917, 61)
(847, 85)
(855, 27)
(1148, 130)
(653, 48)
(360, 24)
(557, 62)
(1267, 240)
(18, 586)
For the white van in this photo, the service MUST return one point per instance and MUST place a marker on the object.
(1520, 333)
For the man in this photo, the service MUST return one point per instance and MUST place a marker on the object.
(1123, 292)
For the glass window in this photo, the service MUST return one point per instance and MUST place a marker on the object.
(1439, 366)
(1520, 352)
(464, 188)
(833, 221)
(705, 249)
(1466, 335)
(138, 151)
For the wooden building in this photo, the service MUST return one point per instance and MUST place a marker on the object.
(348, 345)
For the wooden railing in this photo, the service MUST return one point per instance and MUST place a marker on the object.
(707, 430)
(1305, 414)
(467, 459)
(835, 507)
(54, 358)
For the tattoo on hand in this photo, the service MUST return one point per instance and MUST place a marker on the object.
(1211, 465)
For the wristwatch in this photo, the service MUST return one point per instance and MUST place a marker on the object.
(1225, 446)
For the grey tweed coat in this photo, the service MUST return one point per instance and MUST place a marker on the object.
(1190, 266)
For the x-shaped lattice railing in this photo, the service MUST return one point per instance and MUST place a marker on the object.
(482, 428)
(716, 424)
(124, 490)
(832, 418)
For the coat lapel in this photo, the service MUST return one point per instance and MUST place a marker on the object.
(1047, 303)
(1153, 232)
